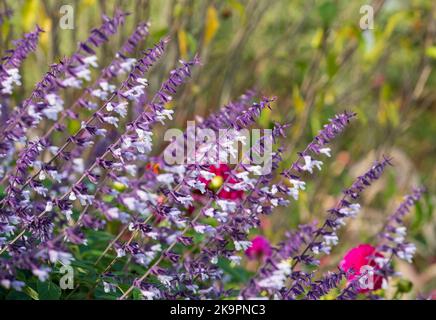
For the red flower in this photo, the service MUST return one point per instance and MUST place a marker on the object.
(260, 248)
(221, 173)
(357, 258)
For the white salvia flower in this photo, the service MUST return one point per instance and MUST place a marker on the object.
(196, 184)
(120, 252)
(126, 143)
(8, 230)
(257, 170)
(242, 245)
(55, 105)
(109, 107)
(402, 231)
(111, 120)
(17, 285)
(350, 211)
(149, 295)
(326, 249)
(274, 202)
(278, 278)
(42, 273)
(315, 249)
(294, 193)
(156, 247)
(199, 228)
(274, 189)
(142, 81)
(326, 151)
(72, 82)
(13, 78)
(48, 206)
(63, 257)
(107, 86)
(166, 178)
(147, 196)
(399, 239)
(42, 176)
(121, 109)
(108, 287)
(101, 132)
(407, 252)
(243, 176)
(165, 280)
(228, 206)
(310, 164)
(85, 199)
(235, 260)
(131, 226)
(239, 186)
(84, 74)
(78, 165)
(53, 149)
(209, 212)
(72, 196)
(166, 113)
(331, 239)
(381, 261)
(101, 94)
(152, 234)
(207, 175)
(174, 212)
(186, 201)
(91, 61)
(37, 117)
(143, 143)
(113, 213)
(41, 191)
(298, 184)
(131, 169)
(340, 222)
(68, 214)
(135, 92)
(127, 64)
(214, 260)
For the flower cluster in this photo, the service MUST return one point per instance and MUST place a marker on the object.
(99, 199)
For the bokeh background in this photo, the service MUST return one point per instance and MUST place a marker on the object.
(315, 58)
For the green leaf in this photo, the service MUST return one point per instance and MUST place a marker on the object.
(237, 274)
(328, 11)
(47, 290)
(31, 293)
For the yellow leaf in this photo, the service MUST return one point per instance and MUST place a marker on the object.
(183, 43)
(317, 38)
(431, 52)
(29, 13)
(298, 101)
(46, 25)
(212, 24)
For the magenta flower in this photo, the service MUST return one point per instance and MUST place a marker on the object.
(260, 248)
(361, 258)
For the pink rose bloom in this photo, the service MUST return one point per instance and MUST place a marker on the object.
(260, 248)
(355, 259)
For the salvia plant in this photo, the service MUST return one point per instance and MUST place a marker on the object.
(97, 214)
